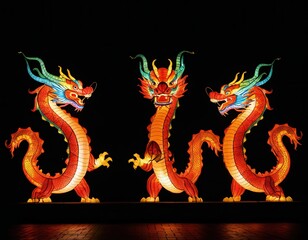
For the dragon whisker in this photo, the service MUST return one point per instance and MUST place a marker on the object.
(206, 90)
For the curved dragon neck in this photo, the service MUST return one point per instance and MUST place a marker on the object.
(78, 147)
(234, 156)
(159, 132)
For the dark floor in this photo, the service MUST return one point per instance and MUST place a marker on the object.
(164, 220)
(137, 212)
(204, 231)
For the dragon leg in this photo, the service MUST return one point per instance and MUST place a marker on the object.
(191, 190)
(43, 193)
(237, 191)
(274, 193)
(153, 188)
(83, 191)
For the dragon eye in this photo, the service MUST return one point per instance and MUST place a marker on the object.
(227, 92)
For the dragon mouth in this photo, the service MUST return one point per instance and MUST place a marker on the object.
(82, 99)
(162, 100)
(79, 102)
(221, 104)
(76, 100)
(224, 103)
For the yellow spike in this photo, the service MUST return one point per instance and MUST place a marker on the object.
(169, 68)
(234, 80)
(69, 74)
(155, 68)
(62, 75)
(241, 80)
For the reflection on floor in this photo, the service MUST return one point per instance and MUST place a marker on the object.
(190, 231)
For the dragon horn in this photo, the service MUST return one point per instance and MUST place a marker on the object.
(269, 75)
(46, 74)
(64, 76)
(155, 68)
(145, 72)
(234, 80)
(241, 80)
(263, 65)
(180, 67)
(157, 73)
(169, 68)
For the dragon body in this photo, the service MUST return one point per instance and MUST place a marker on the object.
(165, 86)
(55, 93)
(247, 97)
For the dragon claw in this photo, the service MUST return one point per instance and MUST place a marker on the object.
(270, 198)
(90, 200)
(39, 200)
(149, 199)
(136, 162)
(232, 199)
(195, 199)
(102, 160)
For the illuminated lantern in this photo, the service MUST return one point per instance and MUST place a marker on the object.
(165, 86)
(247, 97)
(51, 98)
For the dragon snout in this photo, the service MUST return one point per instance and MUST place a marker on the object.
(212, 94)
(87, 91)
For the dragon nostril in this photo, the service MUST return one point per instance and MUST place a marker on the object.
(162, 87)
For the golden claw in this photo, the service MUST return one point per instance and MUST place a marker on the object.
(195, 199)
(270, 198)
(39, 200)
(102, 160)
(136, 162)
(232, 199)
(90, 200)
(149, 199)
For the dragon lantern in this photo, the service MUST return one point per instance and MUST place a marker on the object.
(248, 98)
(51, 98)
(165, 86)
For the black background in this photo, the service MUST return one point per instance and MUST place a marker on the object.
(95, 41)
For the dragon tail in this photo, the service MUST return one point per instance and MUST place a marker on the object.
(195, 164)
(35, 149)
(279, 150)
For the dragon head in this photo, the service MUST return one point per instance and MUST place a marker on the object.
(237, 94)
(162, 84)
(66, 89)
